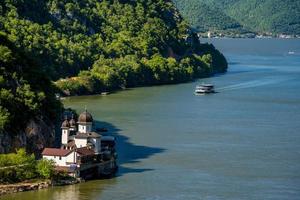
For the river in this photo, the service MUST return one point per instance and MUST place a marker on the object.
(240, 143)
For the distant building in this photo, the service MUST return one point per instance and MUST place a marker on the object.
(83, 153)
(209, 34)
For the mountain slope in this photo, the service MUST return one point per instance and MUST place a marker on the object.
(204, 17)
(28, 107)
(87, 47)
(260, 16)
(109, 44)
(268, 16)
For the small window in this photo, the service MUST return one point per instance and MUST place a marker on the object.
(59, 157)
(54, 156)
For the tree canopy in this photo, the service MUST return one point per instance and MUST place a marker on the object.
(19, 166)
(26, 92)
(272, 16)
(90, 46)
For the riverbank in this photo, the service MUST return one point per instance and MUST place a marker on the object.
(109, 75)
(24, 186)
(71, 89)
(253, 35)
(246, 138)
(34, 185)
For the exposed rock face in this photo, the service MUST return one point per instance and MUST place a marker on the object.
(21, 187)
(38, 134)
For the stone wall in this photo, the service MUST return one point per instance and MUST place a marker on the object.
(21, 187)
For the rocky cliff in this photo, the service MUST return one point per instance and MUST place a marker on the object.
(28, 106)
(38, 134)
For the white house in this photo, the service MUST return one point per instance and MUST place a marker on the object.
(77, 148)
(61, 157)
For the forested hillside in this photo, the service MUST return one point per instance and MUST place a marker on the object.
(87, 47)
(25, 90)
(206, 18)
(274, 16)
(28, 107)
(109, 44)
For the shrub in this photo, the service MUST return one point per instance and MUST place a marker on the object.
(45, 168)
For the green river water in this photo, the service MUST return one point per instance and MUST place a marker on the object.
(240, 143)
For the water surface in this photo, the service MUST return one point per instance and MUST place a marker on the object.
(240, 143)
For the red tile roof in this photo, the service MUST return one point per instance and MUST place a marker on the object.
(84, 151)
(55, 152)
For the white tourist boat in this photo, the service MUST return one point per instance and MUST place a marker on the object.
(204, 89)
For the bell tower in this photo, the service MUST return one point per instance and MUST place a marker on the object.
(65, 127)
(85, 122)
(73, 124)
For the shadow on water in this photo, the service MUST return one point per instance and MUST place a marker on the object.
(127, 151)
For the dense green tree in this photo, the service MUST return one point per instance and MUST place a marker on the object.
(204, 17)
(237, 16)
(20, 166)
(117, 41)
(25, 91)
(45, 168)
(88, 47)
(17, 166)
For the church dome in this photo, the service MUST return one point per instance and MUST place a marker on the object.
(65, 124)
(72, 122)
(85, 117)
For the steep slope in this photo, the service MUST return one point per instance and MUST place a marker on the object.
(110, 44)
(260, 16)
(268, 16)
(28, 108)
(86, 47)
(206, 18)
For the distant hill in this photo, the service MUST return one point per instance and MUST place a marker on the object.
(274, 16)
(204, 17)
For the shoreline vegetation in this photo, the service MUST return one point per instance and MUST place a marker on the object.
(23, 186)
(222, 34)
(30, 185)
(106, 77)
(22, 172)
(89, 47)
(79, 48)
(242, 19)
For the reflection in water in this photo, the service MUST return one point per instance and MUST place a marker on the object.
(243, 144)
(127, 152)
(88, 190)
(70, 192)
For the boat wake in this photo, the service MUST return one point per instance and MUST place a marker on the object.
(252, 84)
